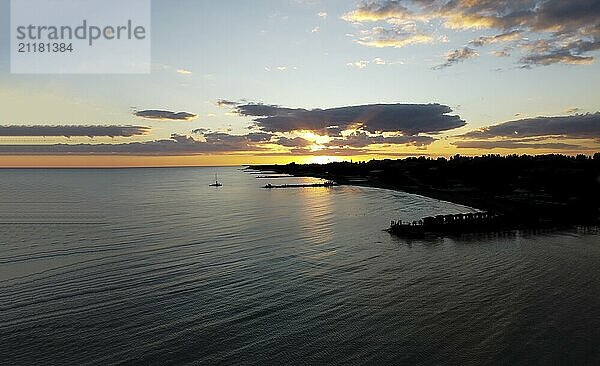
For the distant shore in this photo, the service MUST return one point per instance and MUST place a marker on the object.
(551, 190)
(374, 183)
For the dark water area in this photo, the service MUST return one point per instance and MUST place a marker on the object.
(152, 266)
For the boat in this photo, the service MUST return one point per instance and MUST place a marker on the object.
(216, 183)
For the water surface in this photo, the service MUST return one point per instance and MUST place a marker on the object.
(152, 266)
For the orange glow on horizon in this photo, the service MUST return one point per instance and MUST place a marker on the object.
(114, 161)
(320, 156)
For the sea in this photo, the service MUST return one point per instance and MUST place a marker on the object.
(153, 267)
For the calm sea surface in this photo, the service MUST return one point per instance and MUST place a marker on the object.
(152, 266)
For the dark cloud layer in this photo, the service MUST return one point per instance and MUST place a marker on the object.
(176, 145)
(179, 145)
(537, 133)
(405, 119)
(293, 142)
(259, 137)
(165, 115)
(209, 142)
(361, 139)
(582, 126)
(73, 131)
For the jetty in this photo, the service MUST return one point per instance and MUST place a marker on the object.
(274, 176)
(308, 185)
(452, 224)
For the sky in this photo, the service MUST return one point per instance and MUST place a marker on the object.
(246, 82)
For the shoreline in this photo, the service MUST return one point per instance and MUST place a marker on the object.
(524, 209)
(473, 204)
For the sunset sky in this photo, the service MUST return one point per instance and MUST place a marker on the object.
(242, 82)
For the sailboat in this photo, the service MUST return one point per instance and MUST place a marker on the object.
(216, 183)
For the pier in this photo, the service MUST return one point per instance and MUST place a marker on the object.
(451, 224)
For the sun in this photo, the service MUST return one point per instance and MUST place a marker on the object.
(313, 137)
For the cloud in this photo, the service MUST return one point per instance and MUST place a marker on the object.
(405, 119)
(177, 145)
(571, 29)
(293, 142)
(259, 137)
(542, 133)
(359, 64)
(501, 53)
(400, 29)
(165, 115)
(373, 11)
(457, 56)
(303, 151)
(214, 143)
(226, 103)
(380, 61)
(360, 139)
(201, 131)
(380, 37)
(556, 16)
(581, 126)
(281, 68)
(73, 131)
(563, 49)
(504, 37)
(226, 139)
(254, 137)
(349, 129)
(563, 57)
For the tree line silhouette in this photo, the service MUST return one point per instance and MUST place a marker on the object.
(529, 188)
